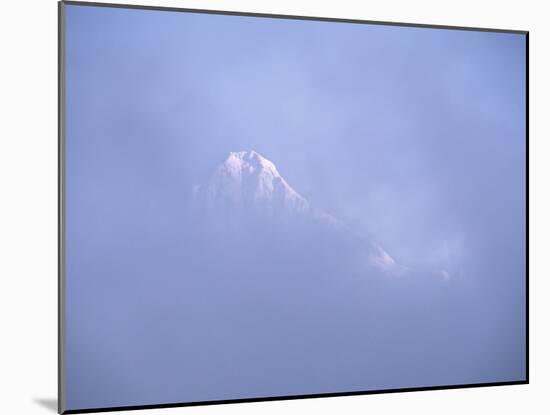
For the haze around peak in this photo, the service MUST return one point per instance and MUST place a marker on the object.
(249, 184)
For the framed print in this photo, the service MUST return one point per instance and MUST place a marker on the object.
(259, 207)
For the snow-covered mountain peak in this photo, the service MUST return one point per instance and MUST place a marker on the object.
(250, 184)
(249, 162)
(248, 178)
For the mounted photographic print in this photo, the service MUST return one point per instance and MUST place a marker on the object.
(258, 207)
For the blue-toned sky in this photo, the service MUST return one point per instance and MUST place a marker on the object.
(414, 136)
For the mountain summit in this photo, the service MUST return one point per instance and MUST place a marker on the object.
(246, 178)
(247, 185)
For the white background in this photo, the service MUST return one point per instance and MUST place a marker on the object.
(28, 204)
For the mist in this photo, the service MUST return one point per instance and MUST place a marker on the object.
(414, 138)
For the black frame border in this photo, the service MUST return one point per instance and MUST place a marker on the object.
(61, 207)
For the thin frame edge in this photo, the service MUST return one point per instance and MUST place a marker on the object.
(61, 208)
(290, 17)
